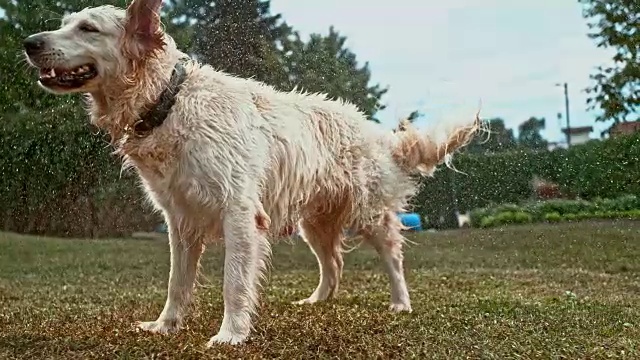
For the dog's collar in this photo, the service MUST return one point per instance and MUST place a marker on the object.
(155, 116)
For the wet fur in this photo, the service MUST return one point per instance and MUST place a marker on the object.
(237, 161)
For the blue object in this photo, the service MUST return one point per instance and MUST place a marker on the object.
(411, 220)
(162, 228)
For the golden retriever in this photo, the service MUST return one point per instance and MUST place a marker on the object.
(234, 160)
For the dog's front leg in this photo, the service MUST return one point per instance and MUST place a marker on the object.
(247, 251)
(186, 250)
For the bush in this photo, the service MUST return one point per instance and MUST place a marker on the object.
(553, 216)
(60, 179)
(598, 169)
(627, 207)
(506, 218)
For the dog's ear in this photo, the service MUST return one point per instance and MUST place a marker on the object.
(143, 35)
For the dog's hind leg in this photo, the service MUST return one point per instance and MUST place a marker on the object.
(325, 240)
(186, 249)
(247, 252)
(387, 240)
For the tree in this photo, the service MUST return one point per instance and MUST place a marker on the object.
(323, 64)
(240, 37)
(179, 21)
(499, 139)
(615, 24)
(529, 134)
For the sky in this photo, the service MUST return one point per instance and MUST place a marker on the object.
(445, 57)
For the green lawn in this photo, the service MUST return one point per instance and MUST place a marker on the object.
(543, 291)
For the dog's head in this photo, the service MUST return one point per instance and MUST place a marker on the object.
(95, 46)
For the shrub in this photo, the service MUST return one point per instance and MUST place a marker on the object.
(556, 211)
(506, 218)
(599, 169)
(570, 217)
(487, 222)
(563, 207)
(60, 179)
(521, 217)
(553, 217)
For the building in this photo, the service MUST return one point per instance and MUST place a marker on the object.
(624, 128)
(578, 135)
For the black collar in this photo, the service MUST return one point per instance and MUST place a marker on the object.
(157, 113)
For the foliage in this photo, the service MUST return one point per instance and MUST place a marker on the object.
(500, 139)
(238, 37)
(627, 206)
(607, 169)
(509, 218)
(506, 218)
(324, 65)
(529, 134)
(59, 178)
(615, 25)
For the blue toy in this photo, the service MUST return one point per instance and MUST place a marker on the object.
(411, 220)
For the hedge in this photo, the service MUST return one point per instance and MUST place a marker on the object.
(557, 210)
(59, 178)
(607, 169)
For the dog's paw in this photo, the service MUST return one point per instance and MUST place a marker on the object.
(305, 301)
(224, 337)
(399, 307)
(158, 327)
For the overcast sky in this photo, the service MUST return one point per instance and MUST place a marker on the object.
(443, 57)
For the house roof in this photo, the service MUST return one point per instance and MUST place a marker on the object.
(578, 130)
(626, 127)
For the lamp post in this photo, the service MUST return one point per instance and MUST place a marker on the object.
(566, 110)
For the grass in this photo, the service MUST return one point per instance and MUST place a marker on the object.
(541, 291)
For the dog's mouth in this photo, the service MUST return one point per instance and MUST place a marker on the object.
(67, 78)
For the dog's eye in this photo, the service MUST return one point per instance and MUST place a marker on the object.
(87, 28)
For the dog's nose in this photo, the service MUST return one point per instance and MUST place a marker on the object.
(33, 44)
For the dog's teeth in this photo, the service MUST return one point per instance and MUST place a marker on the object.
(52, 73)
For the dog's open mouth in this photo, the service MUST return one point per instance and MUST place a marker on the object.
(67, 78)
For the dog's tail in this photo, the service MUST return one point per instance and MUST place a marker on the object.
(416, 151)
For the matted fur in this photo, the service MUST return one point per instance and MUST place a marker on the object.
(238, 161)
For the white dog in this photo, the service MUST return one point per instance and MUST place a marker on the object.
(232, 159)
